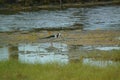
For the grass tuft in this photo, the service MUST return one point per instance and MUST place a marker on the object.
(13, 70)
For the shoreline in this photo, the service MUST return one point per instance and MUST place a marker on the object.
(73, 27)
(16, 9)
(71, 37)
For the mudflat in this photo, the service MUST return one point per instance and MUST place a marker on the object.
(70, 37)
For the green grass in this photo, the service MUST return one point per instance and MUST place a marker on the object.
(13, 70)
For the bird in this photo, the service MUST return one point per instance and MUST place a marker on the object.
(53, 36)
(57, 35)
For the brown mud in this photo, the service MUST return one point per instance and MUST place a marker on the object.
(70, 37)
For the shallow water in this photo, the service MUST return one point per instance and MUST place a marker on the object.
(100, 17)
(43, 53)
(100, 63)
(103, 48)
(53, 52)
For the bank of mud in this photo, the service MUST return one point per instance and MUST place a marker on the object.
(70, 37)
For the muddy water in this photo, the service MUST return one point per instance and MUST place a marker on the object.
(105, 17)
(54, 52)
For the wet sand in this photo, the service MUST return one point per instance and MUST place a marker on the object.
(70, 37)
